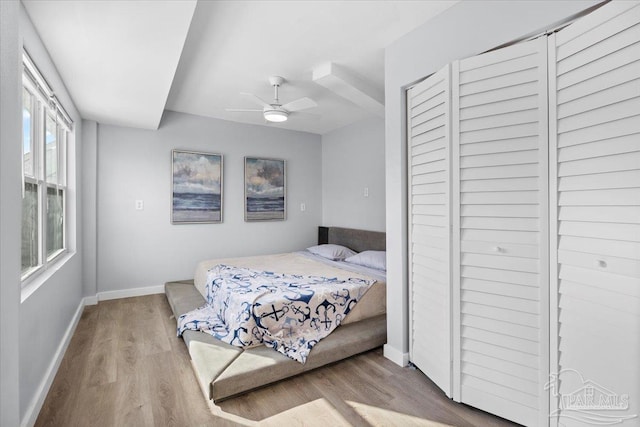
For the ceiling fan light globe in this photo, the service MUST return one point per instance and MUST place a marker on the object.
(276, 116)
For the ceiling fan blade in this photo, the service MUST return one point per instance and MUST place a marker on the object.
(300, 104)
(307, 115)
(242, 110)
(256, 99)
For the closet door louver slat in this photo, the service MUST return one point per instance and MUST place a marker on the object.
(501, 129)
(428, 107)
(595, 67)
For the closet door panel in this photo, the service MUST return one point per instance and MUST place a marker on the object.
(499, 198)
(483, 99)
(504, 146)
(614, 163)
(622, 266)
(622, 127)
(595, 28)
(426, 110)
(599, 66)
(428, 141)
(614, 248)
(603, 198)
(508, 211)
(499, 133)
(595, 112)
(622, 145)
(599, 279)
(506, 249)
(502, 207)
(504, 237)
(500, 354)
(498, 275)
(475, 302)
(496, 159)
(523, 184)
(529, 265)
(429, 221)
(609, 113)
(500, 107)
(596, 84)
(617, 179)
(506, 171)
(606, 97)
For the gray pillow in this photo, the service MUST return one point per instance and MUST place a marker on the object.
(371, 259)
(331, 251)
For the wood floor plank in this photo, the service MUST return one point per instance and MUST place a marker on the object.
(125, 367)
(101, 365)
(133, 403)
(95, 406)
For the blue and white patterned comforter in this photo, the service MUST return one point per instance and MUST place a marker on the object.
(289, 313)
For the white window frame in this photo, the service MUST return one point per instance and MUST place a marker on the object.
(44, 103)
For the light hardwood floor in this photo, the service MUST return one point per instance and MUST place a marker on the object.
(126, 367)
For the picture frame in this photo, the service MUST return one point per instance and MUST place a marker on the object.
(265, 189)
(196, 187)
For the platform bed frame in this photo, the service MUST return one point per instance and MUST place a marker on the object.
(224, 371)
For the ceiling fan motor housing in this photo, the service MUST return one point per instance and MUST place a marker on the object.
(276, 80)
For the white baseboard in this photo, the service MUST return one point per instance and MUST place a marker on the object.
(127, 293)
(396, 356)
(36, 404)
(91, 300)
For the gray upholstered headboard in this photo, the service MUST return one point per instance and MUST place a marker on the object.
(358, 240)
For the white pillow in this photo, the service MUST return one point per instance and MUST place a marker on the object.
(371, 259)
(331, 251)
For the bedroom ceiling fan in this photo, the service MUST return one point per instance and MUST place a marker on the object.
(275, 111)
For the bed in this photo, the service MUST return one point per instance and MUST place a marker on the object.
(224, 371)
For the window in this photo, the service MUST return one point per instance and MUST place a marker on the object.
(45, 132)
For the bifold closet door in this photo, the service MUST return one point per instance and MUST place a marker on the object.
(500, 177)
(595, 127)
(428, 118)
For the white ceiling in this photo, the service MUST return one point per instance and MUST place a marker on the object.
(119, 58)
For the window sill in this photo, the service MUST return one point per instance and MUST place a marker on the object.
(33, 284)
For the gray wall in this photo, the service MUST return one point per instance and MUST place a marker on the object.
(10, 216)
(142, 248)
(46, 312)
(466, 29)
(352, 159)
(89, 207)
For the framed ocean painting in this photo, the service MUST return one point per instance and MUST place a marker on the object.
(196, 187)
(264, 189)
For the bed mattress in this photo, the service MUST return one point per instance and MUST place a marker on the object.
(372, 304)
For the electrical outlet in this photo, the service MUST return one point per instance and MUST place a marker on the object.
(139, 205)
(303, 207)
(366, 191)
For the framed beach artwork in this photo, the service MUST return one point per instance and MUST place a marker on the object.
(264, 189)
(196, 187)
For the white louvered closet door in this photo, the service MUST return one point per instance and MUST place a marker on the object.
(595, 127)
(500, 157)
(428, 108)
